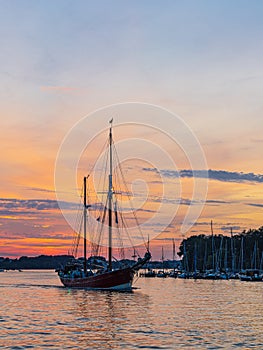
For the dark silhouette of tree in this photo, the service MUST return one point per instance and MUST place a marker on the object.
(221, 252)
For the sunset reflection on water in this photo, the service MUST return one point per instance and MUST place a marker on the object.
(37, 312)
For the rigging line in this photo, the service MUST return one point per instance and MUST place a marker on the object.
(78, 236)
(99, 208)
(136, 279)
(78, 233)
(129, 197)
(101, 201)
(92, 169)
(121, 247)
(103, 147)
(75, 239)
(102, 209)
(99, 236)
(92, 225)
(125, 228)
(123, 219)
(105, 194)
(120, 241)
(118, 174)
(75, 234)
(103, 174)
(124, 225)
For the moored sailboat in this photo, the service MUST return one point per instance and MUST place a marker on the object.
(251, 275)
(174, 273)
(76, 274)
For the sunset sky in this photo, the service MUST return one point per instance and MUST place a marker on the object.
(62, 60)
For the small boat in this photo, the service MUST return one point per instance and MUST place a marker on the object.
(173, 274)
(251, 275)
(103, 276)
(184, 275)
(212, 275)
(233, 276)
(161, 274)
(148, 274)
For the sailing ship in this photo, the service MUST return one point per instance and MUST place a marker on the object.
(104, 277)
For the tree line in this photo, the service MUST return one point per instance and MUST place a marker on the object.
(38, 262)
(223, 253)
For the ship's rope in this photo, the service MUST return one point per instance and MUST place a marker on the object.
(127, 192)
(121, 226)
(79, 217)
(99, 210)
(78, 226)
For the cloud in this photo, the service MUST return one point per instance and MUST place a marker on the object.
(14, 205)
(228, 176)
(146, 210)
(187, 201)
(219, 175)
(167, 239)
(39, 189)
(216, 202)
(4, 212)
(37, 204)
(255, 205)
(228, 228)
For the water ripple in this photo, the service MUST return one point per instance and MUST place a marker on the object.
(37, 312)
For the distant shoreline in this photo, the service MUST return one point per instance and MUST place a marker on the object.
(53, 262)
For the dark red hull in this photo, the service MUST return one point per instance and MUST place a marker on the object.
(112, 280)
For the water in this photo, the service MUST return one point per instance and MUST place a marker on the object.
(37, 312)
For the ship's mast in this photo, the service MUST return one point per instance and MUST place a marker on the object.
(213, 246)
(173, 254)
(110, 193)
(163, 259)
(85, 224)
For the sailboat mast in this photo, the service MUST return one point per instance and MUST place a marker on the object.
(195, 259)
(242, 253)
(173, 253)
(163, 259)
(85, 224)
(213, 246)
(226, 257)
(110, 200)
(232, 252)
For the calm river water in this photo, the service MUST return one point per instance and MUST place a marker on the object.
(37, 312)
